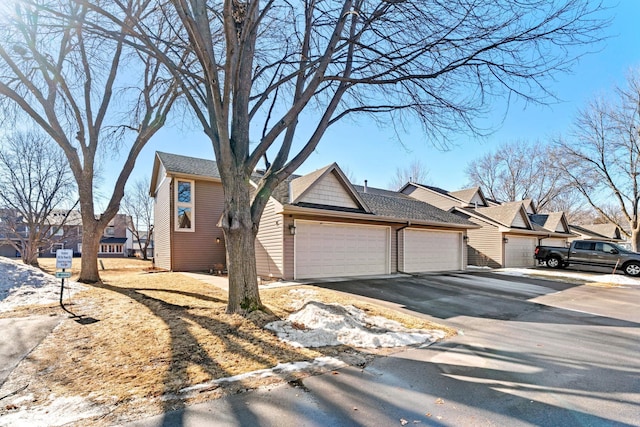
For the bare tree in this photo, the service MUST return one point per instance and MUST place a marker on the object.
(415, 172)
(270, 65)
(523, 170)
(602, 156)
(91, 94)
(139, 206)
(35, 180)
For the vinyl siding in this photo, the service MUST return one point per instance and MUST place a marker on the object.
(269, 243)
(484, 246)
(329, 191)
(162, 226)
(519, 221)
(197, 250)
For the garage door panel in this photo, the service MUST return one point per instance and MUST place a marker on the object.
(331, 250)
(428, 250)
(519, 251)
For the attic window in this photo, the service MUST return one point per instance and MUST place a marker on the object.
(184, 205)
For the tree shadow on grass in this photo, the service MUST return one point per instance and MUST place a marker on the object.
(187, 323)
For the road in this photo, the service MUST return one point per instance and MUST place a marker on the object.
(530, 352)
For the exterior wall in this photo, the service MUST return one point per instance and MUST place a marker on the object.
(269, 243)
(430, 197)
(519, 221)
(476, 199)
(484, 245)
(288, 241)
(162, 215)
(197, 249)
(329, 191)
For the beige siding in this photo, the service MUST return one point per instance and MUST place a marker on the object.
(484, 246)
(329, 191)
(198, 250)
(519, 221)
(162, 226)
(269, 243)
(477, 200)
(432, 198)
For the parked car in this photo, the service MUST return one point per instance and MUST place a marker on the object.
(590, 252)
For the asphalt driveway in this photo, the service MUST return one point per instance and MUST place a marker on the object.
(530, 352)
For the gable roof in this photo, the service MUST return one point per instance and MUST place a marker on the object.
(468, 194)
(176, 164)
(303, 185)
(506, 214)
(608, 231)
(554, 221)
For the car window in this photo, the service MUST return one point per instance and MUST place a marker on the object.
(585, 246)
(605, 247)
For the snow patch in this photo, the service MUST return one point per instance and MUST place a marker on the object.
(318, 324)
(22, 284)
(60, 411)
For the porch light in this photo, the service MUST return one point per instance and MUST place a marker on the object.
(217, 240)
(292, 229)
(505, 239)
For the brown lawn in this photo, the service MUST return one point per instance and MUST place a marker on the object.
(157, 333)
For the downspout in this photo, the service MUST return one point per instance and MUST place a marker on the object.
(398, 247)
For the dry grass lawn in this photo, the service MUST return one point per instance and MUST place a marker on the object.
(156, 334)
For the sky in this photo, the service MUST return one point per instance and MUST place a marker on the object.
(369, 152)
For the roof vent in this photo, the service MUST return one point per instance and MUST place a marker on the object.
(365, 185)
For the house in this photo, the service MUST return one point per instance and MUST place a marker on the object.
(315, 225)
(117, 239)
(609, 232)
(506, 236)
(66, 229)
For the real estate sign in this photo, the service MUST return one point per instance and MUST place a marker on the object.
(64, 257)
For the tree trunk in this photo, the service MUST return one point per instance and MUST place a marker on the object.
(29, 253)
(91, 234)
(240, 234)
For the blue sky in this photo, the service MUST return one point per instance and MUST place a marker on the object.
(371, 153)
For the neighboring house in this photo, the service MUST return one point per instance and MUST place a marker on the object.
(557, 223)
(117, 239)
(136, 251)
(608, 232)
(65, 236)
(506, 236)
(316, 225)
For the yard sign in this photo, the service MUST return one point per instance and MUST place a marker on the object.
(64, 257)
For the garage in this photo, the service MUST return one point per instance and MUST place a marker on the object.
(519, 251)
(326, 249)
(428, 250)
(557, 243)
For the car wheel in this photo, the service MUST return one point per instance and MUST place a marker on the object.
(632, 269)
(554, 262)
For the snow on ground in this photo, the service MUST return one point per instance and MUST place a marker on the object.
(318, 324)
(614, 279)
(21, 284)
(58, 411)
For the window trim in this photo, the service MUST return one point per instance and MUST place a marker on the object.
(56, 246)
(190, 205)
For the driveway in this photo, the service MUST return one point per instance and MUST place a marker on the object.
(530, 352)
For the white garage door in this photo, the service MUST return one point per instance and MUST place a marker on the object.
(425, 250)
(558, 243)
(333, 250)
(519, 251)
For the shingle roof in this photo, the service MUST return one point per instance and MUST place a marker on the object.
(610, 231)
(549, 221)
(465, 195)
(503, 214)
(175, 163)
(406, 208)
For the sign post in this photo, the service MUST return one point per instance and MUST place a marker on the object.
(64, 258)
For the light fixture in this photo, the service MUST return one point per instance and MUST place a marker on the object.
(218, 240)
(505, 239)
(292, 229)
(465, 237)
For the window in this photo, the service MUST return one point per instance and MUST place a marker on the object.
(106, 248)
(184, 205)
(55, 247)
(585, 246)
(606, 247)
(110, 231)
